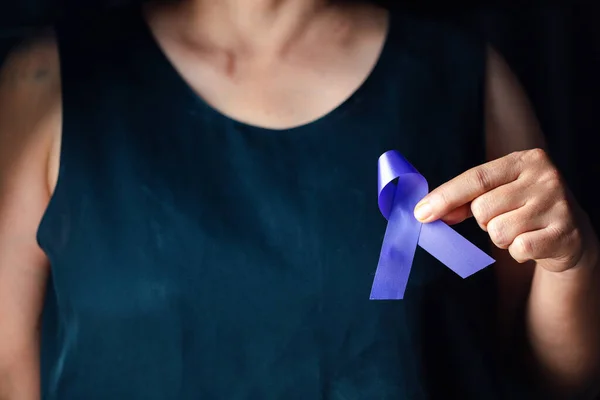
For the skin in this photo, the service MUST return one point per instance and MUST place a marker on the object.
(278, 46)
(542, 237)
(29, 125)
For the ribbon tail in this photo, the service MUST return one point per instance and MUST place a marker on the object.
(452, 249)
(397, 254)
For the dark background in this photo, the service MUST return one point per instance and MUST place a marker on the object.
(553, 48)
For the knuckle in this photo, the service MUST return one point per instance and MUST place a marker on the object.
(481, 178)
(443, 199)
(561, 233)
(552, 178)
(556, 231)
(521, 250)
(523, 247)
(562, 209)
(536, 155)
(574, 236)
(535, 204)
(497, 233)
(480, 210)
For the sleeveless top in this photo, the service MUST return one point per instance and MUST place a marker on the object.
(197, 257)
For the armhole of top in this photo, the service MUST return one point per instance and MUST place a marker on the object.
(45, 228)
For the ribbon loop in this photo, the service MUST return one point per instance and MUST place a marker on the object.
(400, 188)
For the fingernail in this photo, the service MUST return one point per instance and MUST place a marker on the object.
(423, 211)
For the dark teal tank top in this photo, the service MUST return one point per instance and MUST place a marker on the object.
(197, 257)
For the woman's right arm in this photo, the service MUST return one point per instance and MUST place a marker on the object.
(30, 120)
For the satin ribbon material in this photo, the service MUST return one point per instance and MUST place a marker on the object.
(401, 187)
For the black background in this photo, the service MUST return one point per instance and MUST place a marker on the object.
(554, 49)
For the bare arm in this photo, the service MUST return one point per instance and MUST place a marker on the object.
(29, 125)
(562, 309)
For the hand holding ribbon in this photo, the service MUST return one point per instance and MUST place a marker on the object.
(401, 187)
(524, 204)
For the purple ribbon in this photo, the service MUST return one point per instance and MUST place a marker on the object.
(401, 187)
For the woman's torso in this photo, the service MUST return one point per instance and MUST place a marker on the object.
(195, 256)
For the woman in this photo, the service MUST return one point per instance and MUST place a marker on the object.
(200, 181)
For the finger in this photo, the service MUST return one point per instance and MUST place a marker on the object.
(499, 201)
(551, 245)
(504, 228)
(466, 187)
(458, 215)
(534, 245)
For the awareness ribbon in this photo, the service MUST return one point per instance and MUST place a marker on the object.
(401, 187)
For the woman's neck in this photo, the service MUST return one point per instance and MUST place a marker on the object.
(253, 26)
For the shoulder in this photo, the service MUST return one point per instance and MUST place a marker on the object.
(31, 66)
(511, 123)
(30, 105)
(30, 76)
(460, 60)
